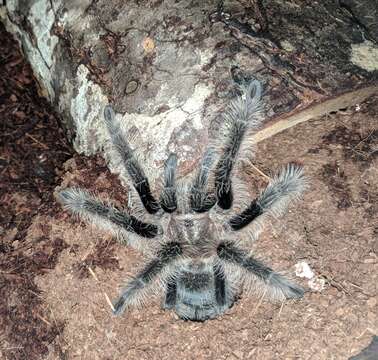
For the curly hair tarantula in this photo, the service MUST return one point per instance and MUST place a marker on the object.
(196, 233)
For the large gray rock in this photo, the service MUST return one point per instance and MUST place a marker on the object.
(166, 65)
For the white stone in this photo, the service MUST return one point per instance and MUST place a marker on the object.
(365, 55)
(303, 270)
(317, 284)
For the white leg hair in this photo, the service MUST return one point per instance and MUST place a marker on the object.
(168, 198)
(201, 194)
(132, 166)
(286, 186)
(161, 267)
(242, 117)
(256, 275)
(89, 208)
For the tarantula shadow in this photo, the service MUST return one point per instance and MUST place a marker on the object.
(196, 235)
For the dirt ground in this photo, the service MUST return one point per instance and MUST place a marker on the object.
(55, 308)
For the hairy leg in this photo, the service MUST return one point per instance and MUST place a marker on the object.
(171, 295)
(243, 114)
(136, 289)
(168, 199)
(287, 186)
(89, 208)
(200, 199)
(277, 286)
(136, 173)
(219, 284)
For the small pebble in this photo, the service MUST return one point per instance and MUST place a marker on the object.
(131, 87)
(372, 302)
(303, 270)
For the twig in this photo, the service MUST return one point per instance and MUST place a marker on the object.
(260, 301)
(364, 139)
(282, 305)
(92, 273)
(44, 320)
(260, 172)
(105, 294)
(313, 111)
(37, 141)
(108, 301)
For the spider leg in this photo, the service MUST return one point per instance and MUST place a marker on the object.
(243, 114)
(136, 289)
(286, 186)
(220, 284)
(89, 208)
(276, 285)
(200, 199)
(168, 199)
(171, 294)
(136, 173)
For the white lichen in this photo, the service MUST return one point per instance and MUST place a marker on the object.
(86, 110)
(42, 18)
(365, 55)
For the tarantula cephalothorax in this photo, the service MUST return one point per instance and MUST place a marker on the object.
(195, 233)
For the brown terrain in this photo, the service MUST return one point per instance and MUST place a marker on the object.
(55, 271)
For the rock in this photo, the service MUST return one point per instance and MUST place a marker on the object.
(167, 67)
(303, 270)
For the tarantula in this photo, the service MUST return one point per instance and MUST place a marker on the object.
(195, 234)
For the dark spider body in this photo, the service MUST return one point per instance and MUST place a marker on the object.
(196, 234)
(199, 290)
